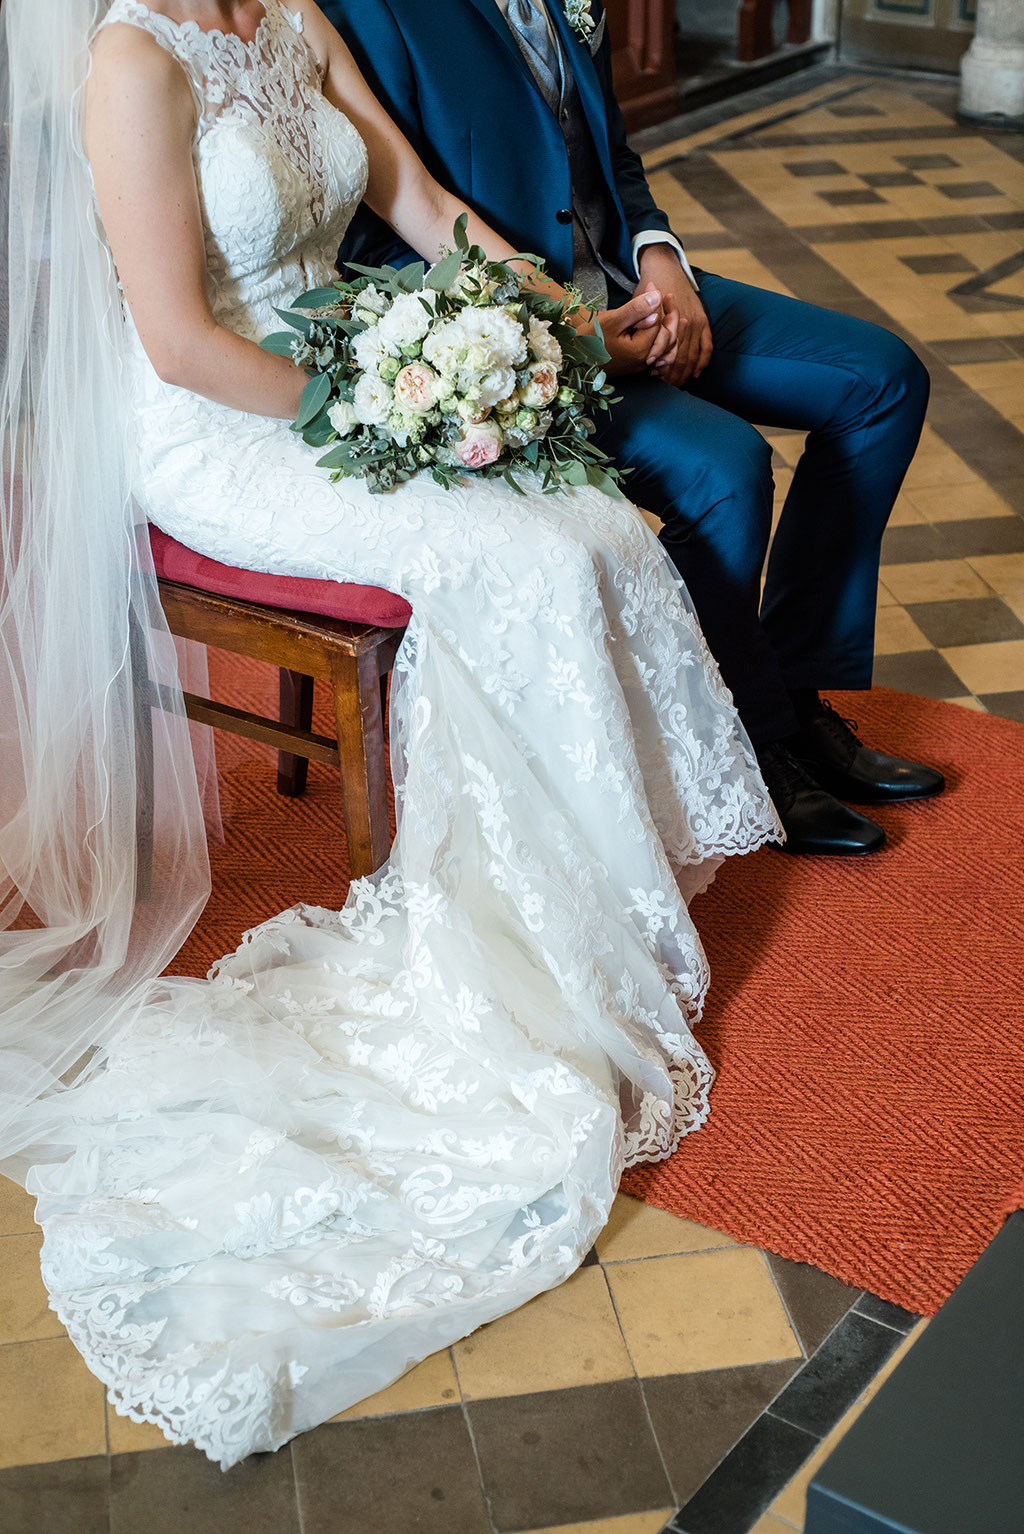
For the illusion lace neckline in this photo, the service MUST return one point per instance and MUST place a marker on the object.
(192, 29)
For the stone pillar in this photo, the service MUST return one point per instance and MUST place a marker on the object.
(992, 69)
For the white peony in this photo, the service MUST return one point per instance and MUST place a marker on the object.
(496, 385)
(370, 348)
(406, 322)
(480, 340)
(372, 400)
(342, 417)
(542, 343)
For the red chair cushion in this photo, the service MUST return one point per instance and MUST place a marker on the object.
(331, 599)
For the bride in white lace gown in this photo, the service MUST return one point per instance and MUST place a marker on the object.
(374, 1130)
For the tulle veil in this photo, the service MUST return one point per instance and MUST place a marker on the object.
(103, 860)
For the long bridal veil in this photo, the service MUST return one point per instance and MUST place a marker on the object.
(103, 864)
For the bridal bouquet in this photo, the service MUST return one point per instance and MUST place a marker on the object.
(462, 368)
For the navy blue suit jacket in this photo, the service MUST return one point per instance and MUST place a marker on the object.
(451, 75)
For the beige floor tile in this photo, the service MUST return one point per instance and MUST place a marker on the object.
(1006, 400)
(905, 513)
(51, 1407)
(952, 503)
(706, 1310)
(1003, 572)
(885, 596)
(432, 1383)
(968, 702)
(896, 632)
(791, 1503)
(636, 1229)
(989, 667)
(994, 375)
(769, 1524)
(24, 1304)
(16, 1209)
(127, 1437)
(630, 1523)
(684, 212)
(934, 580)
(567, 1337)
(937, 468)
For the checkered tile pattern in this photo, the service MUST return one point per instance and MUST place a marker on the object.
(677, 1381)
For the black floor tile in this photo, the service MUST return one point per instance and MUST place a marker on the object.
(566, 1456)
(815, 1300)
(961, 191)
(975, 620)
(850, 197)
(927, 161)
(1010, 705)
(591, 1260)
(164, 1491)
(1014, 220)
(926, 266)
(891, 178)
(973, 349)
(1012, 490)
(924, 672)
(911, 545)
(831, 1381)
(982, 535)
(377, 1475)
(815, 168)
(885, 1312)
(748, 1480)
(698, 1418)
(69, 1497)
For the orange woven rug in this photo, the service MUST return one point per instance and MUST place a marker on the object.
(866, 1018)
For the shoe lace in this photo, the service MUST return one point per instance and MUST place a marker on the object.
(842, 730)
(785, 776)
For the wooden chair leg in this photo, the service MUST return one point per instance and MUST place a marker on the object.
(799, 21)
(755, 29)
(364, 794)
(296, 692)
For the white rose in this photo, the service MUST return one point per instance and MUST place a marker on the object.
(373, 299)
(372, 400)
(370, 348)
(406, 322)
(542, 343)
(342, 417)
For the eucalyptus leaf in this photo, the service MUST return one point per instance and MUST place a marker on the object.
(279, 344)
(444, 272)
(461, 238)
(299, 322)
(318, 298)
(314, 397)
(411, 277)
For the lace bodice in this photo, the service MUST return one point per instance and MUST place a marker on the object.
(280, 170)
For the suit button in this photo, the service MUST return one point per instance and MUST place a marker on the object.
(564, 215)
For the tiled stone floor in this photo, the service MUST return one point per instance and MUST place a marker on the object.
(678, 1381)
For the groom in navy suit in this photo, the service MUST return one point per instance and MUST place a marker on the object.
(510, 104)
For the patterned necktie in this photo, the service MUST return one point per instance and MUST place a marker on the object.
(530, 25)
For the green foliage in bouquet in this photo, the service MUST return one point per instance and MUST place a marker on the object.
(460, 369)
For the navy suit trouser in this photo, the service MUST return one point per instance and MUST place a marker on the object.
(860, 393)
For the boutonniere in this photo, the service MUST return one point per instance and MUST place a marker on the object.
(578, 13)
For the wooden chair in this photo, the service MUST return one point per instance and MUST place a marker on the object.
(756, 28)
(344, 635)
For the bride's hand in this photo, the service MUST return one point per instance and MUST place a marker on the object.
(630, 331)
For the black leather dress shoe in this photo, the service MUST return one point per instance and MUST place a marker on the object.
(816, 824)
(828, 747)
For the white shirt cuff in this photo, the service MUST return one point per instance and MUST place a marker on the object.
(659, 237)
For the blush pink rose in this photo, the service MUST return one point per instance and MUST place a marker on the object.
(479, 445)
(541, 385)
(415, 387)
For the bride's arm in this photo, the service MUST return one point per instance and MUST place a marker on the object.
(139, 128)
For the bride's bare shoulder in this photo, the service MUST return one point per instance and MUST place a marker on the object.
(134, 84)
(123, 54)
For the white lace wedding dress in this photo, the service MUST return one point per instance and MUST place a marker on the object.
(373, 1130)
